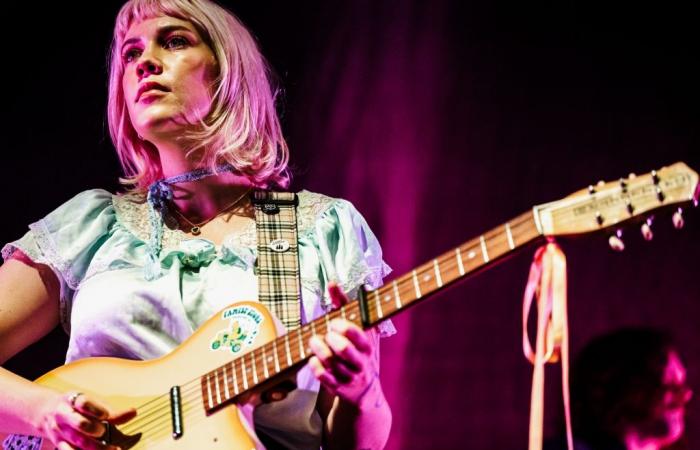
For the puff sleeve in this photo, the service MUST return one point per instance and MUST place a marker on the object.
(67, 240)
(348, 253)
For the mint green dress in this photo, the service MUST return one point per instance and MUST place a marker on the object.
(96, 245)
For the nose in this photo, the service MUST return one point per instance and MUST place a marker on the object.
(148, 66)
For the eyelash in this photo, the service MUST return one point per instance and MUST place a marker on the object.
(132, 53)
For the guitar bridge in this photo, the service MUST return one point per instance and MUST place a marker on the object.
(176, 411)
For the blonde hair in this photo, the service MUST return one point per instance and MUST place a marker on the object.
(242, 127)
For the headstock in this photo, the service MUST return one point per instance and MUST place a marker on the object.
(607, 205)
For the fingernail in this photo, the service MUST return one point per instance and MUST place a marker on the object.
(313, 342)
(334, 339)
(337, 325)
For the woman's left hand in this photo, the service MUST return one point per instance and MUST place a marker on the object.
(345, 359)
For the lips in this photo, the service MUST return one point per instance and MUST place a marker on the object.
(150, 86)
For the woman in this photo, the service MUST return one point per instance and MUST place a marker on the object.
(192, 117)
(629, 391)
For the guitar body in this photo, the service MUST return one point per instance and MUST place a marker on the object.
(124, 384)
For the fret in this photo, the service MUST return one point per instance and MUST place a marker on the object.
(484, 251)
(235, 378)
(301, 343)
(274, 352)
(313, 328)
(509, 235)
(460, 264)
(264, 360)
(415, 284)
(438, 277)
(397, 297)
(289, 352)
(211, 400)
(377, 300)
(227, 394)
(216, 386)
(342, 313)
(255, 370)
(244, 374)
(232, 377)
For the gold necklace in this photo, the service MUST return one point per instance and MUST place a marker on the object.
(196, 228)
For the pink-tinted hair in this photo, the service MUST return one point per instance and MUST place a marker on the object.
(242, 127)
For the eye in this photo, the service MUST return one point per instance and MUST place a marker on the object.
(130, 55)
(175, 42)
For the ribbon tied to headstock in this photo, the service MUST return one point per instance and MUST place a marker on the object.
(547, 284)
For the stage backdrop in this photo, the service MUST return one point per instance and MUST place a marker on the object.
(439, 120)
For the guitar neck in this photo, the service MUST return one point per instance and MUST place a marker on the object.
(290, 350)
(449, 268)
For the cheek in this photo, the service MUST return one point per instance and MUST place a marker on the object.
(129, 86)
(199, 85)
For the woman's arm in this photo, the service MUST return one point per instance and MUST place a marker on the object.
(29, 309)
(351, 401)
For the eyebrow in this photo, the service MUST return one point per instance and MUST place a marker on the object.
(161, 31)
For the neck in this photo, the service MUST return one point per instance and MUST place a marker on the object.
(204, 198)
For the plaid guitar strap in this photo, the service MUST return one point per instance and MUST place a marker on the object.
(277, 266)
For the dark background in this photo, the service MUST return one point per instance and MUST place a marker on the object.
(439, 120)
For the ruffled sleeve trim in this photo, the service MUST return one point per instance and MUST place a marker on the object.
(347, 250)
(67, 239)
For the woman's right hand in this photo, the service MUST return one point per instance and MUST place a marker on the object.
(76, 421)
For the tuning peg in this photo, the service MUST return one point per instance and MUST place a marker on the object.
(646, 230)
(678, 220)
(632, 176)
(615, 241)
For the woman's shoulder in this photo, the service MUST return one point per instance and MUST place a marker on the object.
(83, 208)
(315, 208)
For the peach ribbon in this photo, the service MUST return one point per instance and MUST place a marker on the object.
(547, 283)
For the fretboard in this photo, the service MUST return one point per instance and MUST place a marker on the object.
(225, 383)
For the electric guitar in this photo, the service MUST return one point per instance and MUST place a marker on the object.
(200, 396)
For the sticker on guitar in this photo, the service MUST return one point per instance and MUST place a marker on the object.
(244, 326)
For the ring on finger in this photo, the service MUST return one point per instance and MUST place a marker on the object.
(73, 397)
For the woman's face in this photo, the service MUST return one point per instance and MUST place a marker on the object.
(169, 73)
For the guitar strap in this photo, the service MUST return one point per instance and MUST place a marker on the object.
(277, 266)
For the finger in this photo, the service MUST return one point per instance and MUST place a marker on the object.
(86, 425)
(90, 407)
(345, 352)
(342, 373)
(123, 416)
(338, 297)
(82, 441)
(355, 334)
(322, 374)
(63, 445)
(320, 349)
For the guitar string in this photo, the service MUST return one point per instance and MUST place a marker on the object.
(192, 389)
(195, 388)
(401, 284)
(427, 270)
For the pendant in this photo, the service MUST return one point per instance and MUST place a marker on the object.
(195, 230)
